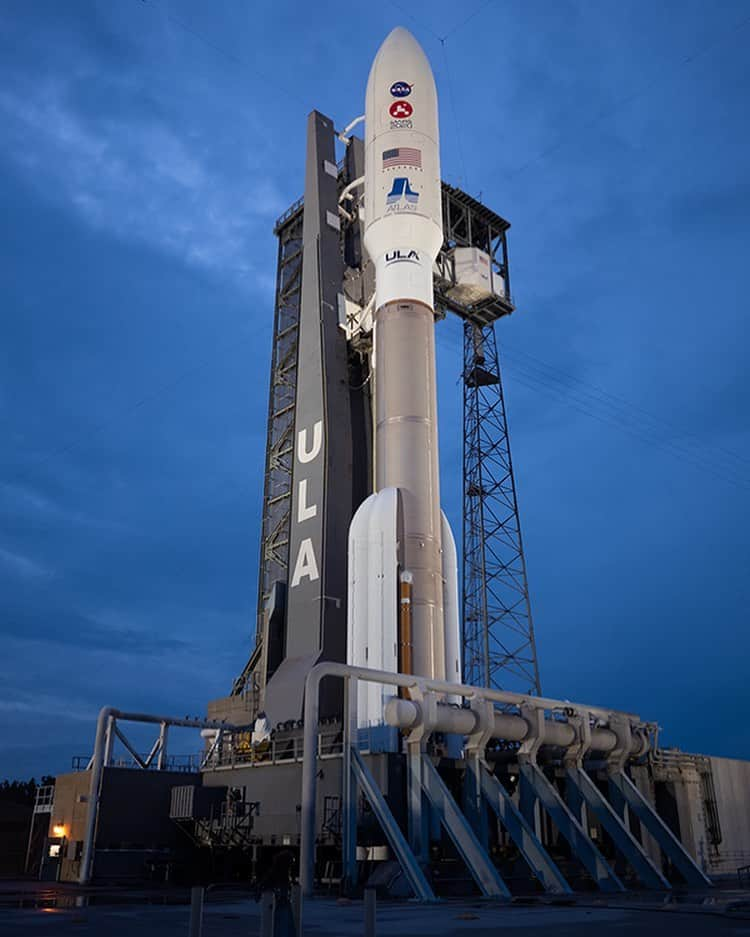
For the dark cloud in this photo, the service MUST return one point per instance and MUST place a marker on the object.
(726, 206)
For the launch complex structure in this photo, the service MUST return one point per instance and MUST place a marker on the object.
(410, 744)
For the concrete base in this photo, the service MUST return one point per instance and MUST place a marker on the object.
(129, 913)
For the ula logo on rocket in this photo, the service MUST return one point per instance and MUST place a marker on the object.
(402, 257)
(400, 89)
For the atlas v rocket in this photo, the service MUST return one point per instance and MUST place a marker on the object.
(403, 580)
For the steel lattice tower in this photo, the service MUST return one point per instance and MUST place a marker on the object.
(498, 631)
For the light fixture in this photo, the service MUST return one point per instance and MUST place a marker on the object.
(58, 829)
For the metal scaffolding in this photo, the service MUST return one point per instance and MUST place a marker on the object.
(274, 546)
(498, 631)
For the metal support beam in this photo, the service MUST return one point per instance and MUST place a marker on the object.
(155, 748)
(582, 847)
(521, 832)
(136, 757)
(576, 803)
(623, 839)
(498, 630)
(528, 805)
(419, 817)
(109, 742)
(349, 788)
(475, 807)
(672, 847)
(470, 849)
(407, 860)
(161, 764)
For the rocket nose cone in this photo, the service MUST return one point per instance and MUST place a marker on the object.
(400, 33)
(400, 41)
(400, 49)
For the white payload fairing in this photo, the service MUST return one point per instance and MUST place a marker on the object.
(403, 580)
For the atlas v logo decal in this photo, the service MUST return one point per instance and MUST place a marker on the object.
(306, 565)
(401, 257)
(401, 190)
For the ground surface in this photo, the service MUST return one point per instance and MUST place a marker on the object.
(49, 911)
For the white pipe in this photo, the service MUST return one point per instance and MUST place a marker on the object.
(349, 188)
(343, 135)
(406, 714)
(603, 740)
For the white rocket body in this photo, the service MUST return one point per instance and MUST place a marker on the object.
(401, 526)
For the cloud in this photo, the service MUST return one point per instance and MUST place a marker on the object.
(31, 704)
(725, 205)
(33, 617)
(21, 500)
(23, 566)
(138, 178)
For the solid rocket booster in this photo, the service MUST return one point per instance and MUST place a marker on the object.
(403, 234)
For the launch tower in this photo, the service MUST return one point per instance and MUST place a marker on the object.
(471, 280)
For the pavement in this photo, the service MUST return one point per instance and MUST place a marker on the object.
(56, 910)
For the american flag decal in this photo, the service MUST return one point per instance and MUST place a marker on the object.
(402, 156)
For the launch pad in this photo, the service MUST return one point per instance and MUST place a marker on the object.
(421, 780)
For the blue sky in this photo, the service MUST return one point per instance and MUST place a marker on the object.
(147, 148)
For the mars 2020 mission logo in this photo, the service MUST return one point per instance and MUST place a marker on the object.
(401, 112)
(400, 109)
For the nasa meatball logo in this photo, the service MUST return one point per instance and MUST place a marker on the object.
(400, 110)
(400, 89)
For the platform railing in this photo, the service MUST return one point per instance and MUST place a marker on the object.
(329, 744)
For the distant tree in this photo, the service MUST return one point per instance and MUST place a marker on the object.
(22, 792)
